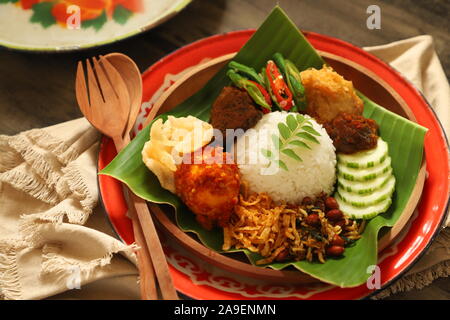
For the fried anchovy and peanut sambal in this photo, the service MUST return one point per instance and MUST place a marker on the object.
(282, 232)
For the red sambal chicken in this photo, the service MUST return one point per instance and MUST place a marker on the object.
(209, 184)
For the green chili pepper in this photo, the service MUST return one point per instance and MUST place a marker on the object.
(252, 88)
(280, 62)
(292, 70)
(247, 71)
(295, 84)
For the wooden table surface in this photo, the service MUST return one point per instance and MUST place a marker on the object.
(37, 90)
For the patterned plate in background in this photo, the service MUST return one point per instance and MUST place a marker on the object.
(64, 25)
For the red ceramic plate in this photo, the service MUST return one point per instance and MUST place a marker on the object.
(199, 280)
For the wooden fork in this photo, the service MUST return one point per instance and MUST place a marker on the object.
(106, 105)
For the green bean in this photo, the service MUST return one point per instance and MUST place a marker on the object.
(250, 72)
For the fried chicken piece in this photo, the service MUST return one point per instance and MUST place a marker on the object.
(234, 109)
(208, 182)
(329, 94)
(352, 133)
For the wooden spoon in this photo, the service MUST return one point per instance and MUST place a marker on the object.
(132, 78)
(108, 93)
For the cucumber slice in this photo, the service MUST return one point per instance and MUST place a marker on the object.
(365, 159)
(365, 213)
(365, 187)
(352, 174)
(362, 201)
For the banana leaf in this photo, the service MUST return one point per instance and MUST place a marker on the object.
(279, 34)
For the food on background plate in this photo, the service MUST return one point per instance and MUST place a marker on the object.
(208, 182)
(302, 163)
(170, 141)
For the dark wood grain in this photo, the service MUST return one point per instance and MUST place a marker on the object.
(37, 90)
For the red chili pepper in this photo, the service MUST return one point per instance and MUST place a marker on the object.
(279, 86)
(265, 94)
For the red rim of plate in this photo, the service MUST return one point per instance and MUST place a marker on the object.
(434, 201)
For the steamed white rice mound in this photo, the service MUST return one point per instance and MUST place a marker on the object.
(307, 178)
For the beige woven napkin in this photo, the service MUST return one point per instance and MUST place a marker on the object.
(417, 60)
(52, 239)
(48, 191)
